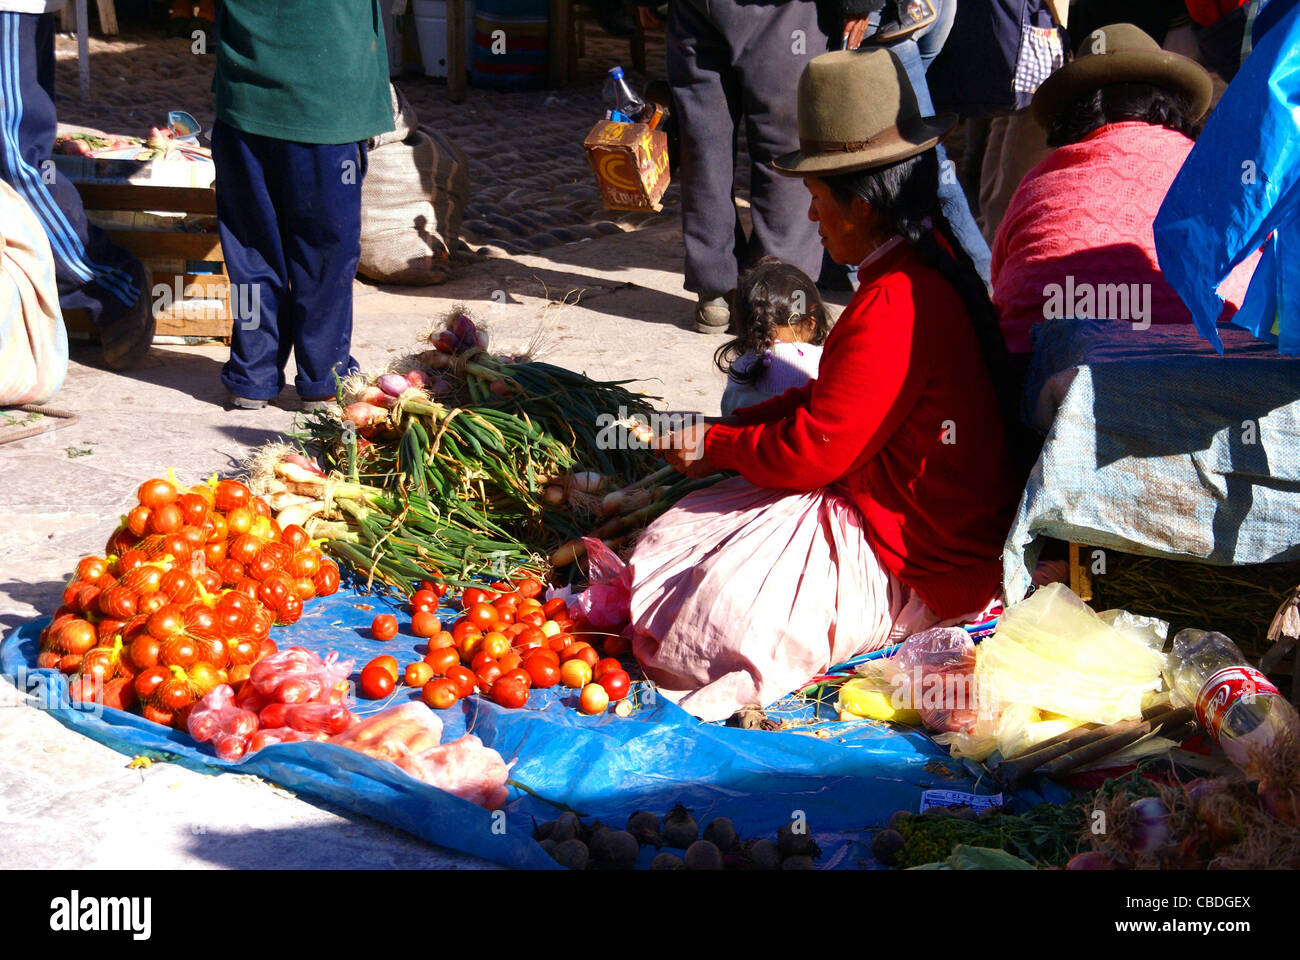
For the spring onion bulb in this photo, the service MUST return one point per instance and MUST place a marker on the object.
(393, 384)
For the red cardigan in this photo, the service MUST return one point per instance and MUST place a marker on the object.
(903, 419)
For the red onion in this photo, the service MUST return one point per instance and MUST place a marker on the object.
(1090, 861)
(299, 460)
(393, 384)
(417, 378)
(1151, 833)
(364, 414)
(463, 328)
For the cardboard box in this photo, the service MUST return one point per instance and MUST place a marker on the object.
(631, 164)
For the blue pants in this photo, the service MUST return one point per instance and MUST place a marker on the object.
(916, 53)
(290, 221)
(92, 274)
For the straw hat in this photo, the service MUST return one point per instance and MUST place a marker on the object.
(1120, 53)
(857, 111)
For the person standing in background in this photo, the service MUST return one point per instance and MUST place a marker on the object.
(728, 58)
(916, 52)
(92, 273)
(300, 85)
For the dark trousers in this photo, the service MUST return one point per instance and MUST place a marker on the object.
(728, 59)
(290, 221)
(92, 274)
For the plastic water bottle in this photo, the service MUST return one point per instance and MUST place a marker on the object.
(1235, 703)
(621, 103)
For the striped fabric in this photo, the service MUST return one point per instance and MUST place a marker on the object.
(33, 341)
(17, 84)
(510, 44)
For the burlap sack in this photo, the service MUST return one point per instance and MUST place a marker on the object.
(412, 199)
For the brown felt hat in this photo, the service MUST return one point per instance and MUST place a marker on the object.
(1120, 53)
(857, 111)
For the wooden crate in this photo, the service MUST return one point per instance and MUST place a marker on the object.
(153, 247)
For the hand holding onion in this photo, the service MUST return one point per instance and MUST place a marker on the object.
(684, 451)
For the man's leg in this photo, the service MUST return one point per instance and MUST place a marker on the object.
(707, 107)
(952, 199)
(320, 224)
(771, 53)
(92, 274)
(248, 178)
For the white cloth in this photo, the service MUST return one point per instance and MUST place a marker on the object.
(31, 6)
(793, 365)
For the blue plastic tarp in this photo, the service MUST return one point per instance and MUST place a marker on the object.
(1239, 189)
(844, 778)
(1158, 446)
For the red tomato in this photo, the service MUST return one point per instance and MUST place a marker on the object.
(442, 659)
(440, 694)
(542, 672)
(550, 656)
(603, 666)
(424, 600)
(436, 587)
(481, 660)
(383, 627)
(529, 588)
(533, 618)
(389, 664)
(580, 651)
(376, 682)
(463, 628)
(425, 624)
(481, 615)
(616, 646)
(510, 661)
(616, 683)
(487, 675)
(327, 581)
(511, 693)
(554, 606)
(463, 678)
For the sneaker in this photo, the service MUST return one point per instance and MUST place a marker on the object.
(713, 315)
(246, 403)
(126, 341)
(313, 405)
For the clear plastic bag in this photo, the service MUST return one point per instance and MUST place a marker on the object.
(297, 675)
(219, 720)
(1054, 664)
(607, 603)
(936, 667)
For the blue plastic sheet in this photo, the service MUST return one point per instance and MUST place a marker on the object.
(845, 778)
(1239, 188)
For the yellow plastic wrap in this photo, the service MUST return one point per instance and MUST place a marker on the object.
(874, 696)
(1054, 664)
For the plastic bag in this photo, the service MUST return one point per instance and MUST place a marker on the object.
(937, 667)
(1053, 664)
(607, 603)
(409, 736)
(219, 720)
(297, 675)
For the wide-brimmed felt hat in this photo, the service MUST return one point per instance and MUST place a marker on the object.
(857, 110)
(1120, 53)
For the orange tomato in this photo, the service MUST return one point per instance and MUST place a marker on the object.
(575, 674)
(387, 663)
(425, 624)
(440, 694)
(442, 659)
(495, 645)
(593, 699)
(418, 674)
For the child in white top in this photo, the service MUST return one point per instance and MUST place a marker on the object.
(780, 323)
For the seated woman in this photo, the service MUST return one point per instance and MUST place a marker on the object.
(874, 501)
(1077, 239)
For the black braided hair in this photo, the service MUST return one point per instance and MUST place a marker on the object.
(770, 294)
(1123, 101)
(904, 196)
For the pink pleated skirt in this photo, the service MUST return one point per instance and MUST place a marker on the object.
(741, 595)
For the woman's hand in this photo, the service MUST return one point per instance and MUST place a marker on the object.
(684, 451)
(854, 32)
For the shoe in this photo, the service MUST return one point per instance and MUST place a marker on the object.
(247, 403)
(713, 315)
(312, 406)
(126, 341)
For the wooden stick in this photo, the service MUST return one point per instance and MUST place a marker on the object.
(1017, 768)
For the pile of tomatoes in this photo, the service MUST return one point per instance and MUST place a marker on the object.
(506, 642)
(184, 599)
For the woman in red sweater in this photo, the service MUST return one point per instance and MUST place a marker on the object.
(873, 502)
